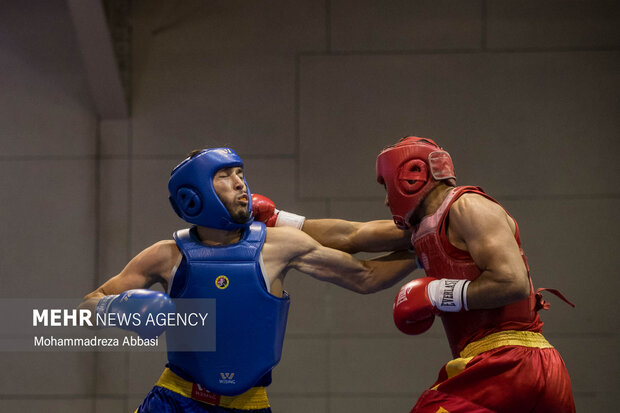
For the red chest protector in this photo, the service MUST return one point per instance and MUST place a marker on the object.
(441, 259)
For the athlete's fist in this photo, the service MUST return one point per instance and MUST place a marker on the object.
(264, 210)
(420, 300)
(414, 312)
(140, 303)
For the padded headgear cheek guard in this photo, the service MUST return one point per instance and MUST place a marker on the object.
(410, 169)
(192, 195)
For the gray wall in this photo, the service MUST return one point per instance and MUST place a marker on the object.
(523, 94)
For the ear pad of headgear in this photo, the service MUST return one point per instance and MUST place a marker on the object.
(188, 201)
(441, 165)
(413, 176)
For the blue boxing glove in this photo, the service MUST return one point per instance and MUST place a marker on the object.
(137, 306)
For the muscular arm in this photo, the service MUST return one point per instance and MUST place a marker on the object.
(352, 237)
(485, 230)
(151, 266)
(347, 236)
(295, 249)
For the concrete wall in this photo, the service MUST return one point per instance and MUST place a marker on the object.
(523, 94)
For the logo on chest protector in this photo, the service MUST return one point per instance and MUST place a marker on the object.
(221, 282)
(227, 378)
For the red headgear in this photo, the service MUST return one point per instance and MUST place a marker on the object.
(409, 170)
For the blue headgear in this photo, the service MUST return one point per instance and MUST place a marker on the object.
(192, 195)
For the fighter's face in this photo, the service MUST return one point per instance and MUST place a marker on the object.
(230, 188)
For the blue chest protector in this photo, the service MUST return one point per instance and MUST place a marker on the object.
(250, 322)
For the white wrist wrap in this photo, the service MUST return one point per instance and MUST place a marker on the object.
(448, 295)
(288, 219)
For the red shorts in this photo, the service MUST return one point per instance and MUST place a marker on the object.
(506, 379)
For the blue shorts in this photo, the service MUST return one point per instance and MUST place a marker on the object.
(161, 400)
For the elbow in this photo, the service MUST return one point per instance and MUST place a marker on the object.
(349, 243)
(371, 284)
(520, 289)
(346, 245)
(525, 290)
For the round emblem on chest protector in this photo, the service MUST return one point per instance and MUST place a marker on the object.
(221, 282)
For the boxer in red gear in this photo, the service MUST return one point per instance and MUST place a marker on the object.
(477, 282)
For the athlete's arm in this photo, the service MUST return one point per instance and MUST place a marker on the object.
(352, 237)
(151, 266)
(291, 248)
(348, 236)
(482, 227)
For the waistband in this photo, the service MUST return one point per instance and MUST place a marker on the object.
(254, 398)
(505, 338)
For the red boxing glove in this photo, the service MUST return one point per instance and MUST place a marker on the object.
(420, 300)
(414, 313)
(264, 210)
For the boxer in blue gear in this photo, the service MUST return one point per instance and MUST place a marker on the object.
(241, 264)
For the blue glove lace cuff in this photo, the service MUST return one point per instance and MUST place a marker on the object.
(103, 304)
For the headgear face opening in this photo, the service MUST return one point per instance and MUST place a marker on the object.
(410, 169)
(192, 195)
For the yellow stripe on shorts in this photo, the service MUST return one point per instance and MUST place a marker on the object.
(505, 338)
(493, 341)
(255, 398)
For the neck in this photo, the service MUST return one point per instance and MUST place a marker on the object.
(432, 202)
(213, 236)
